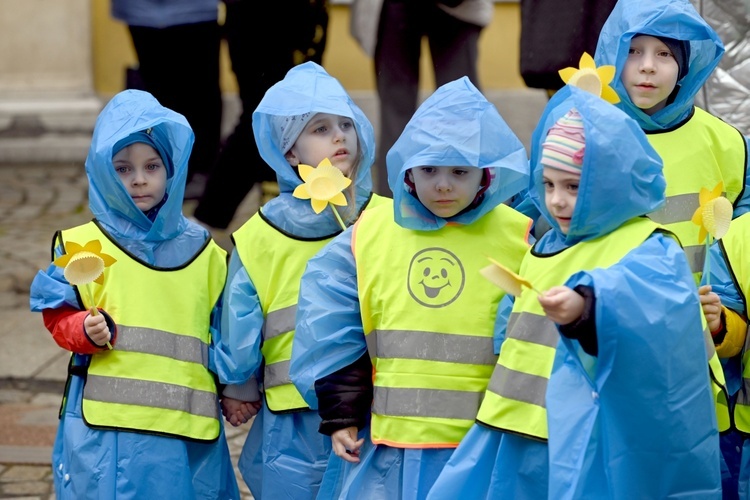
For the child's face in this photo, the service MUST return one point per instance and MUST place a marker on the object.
(327, 136)
(650, 73)
(142, 172)
(445, 191)
(560, 195)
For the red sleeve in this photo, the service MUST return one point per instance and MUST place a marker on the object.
(66, 326)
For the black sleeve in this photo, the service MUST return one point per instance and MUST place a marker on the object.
(345, 396)
(584, 328)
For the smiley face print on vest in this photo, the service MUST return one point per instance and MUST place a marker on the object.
(436, 277)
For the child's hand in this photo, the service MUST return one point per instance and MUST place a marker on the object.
(238, 412)
(345, 446)
(711, 304)
(562, 305)
(97, 329)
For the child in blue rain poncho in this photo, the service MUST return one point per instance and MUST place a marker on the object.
(394, 321)
(140, 420)
(724, 294)
(627, 411)
(663, 53)
(303, 119)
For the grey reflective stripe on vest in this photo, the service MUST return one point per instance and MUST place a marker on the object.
(431, 346)
(677, 208)
(518, 386)
(276, 374)
(696, 256)
(162, 343)
(534, 328)
(152, 394)
(426, 403)
(279, 322)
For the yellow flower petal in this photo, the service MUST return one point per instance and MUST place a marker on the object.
(108, 259)
(72, 247)
(698, 216)
(504, 278)
(609, 95)
(93, 246)
(567, 73)
(586, 62)
(318, 205)
(301, 192)
(305, 171)
(702, 234)
(100, 279)
(606, 73)
(717, 190)
(339, 199)
(62, 260)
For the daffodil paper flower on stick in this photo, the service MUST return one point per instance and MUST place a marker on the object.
(591, 79)
(323, 185)
(505, 279)
(83, 265)
(713, 216)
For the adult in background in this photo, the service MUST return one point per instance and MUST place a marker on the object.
(391, 32)
(265, 39)
(554, 34)
(177, 44)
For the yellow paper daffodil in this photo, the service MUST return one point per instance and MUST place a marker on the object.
(591, 79)
(505, 279)
(714, 214)
(322, 185)
(84, 264)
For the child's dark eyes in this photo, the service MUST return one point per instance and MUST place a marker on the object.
(346, 125)
(122, 170)
(460, 171)
(573, 188)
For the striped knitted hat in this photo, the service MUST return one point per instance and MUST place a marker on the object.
(565, 144)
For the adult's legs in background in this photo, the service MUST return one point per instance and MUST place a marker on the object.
(264, 39)
(397, 76)
(179, 65)
(454, 47)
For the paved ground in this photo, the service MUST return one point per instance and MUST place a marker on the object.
(36, 200)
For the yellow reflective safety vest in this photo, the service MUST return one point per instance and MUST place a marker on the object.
(156, 379)
(736, 247)
(699, 154)
(515, 399)
(275, 268)
(428, 317)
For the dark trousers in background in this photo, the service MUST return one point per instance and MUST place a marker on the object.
(179, 65)
(454, 50)
(265, 39)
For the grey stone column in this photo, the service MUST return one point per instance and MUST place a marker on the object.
(47, 102)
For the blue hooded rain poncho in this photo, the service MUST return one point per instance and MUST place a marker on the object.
(284, 455)
(456, 126)
(678, 20)
(91, 463)
(643, 404)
